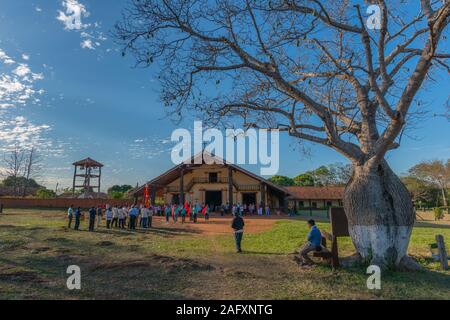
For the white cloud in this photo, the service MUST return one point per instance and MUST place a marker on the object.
(25, 57)
(71, 18)
(19, 131)
(5, 58)
(87, 44)
(22, 70)
(17, 83)
(38, 9)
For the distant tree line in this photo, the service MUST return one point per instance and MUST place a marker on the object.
(336, 174)
(429, 183)
(21, 168)
(119, 191)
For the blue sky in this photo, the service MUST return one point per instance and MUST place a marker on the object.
(74, 95)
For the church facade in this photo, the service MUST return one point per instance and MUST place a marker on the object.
(215, 184)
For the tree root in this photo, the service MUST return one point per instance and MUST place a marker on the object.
(409, 264)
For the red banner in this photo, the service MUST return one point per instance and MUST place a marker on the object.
(146, 196)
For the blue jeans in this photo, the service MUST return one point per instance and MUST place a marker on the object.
(144, 222)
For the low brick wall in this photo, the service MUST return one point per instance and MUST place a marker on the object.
(60, 203)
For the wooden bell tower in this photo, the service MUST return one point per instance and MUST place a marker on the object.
(87, 176)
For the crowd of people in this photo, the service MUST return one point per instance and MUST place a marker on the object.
(139, 215)
(131, 216)
(120, 217)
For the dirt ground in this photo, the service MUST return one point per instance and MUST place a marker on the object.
(216, 225)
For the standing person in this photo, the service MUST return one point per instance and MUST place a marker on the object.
(260, 210)
(238, 227)
(92, 216)
(267, 210)
(115, 217)
(152, 211)
(144, 217)
(197, 211)
(207, 212)
(70, 215)
(134, 212)
(77, 218)
(99, 215)
(167, 212)
(121, 218)
(109, 216)
(183, 213)
(125, 214)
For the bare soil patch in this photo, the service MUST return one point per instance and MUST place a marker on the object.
(215, 225)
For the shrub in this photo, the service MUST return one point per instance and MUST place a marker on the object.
(45, 193)
(438, 213)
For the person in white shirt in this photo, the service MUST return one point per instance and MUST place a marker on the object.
(152, 211)
(115, 218)
(121, 216)
(70, 215)
(144, 216)
(109, 216)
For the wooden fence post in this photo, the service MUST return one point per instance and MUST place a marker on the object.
(442, 251)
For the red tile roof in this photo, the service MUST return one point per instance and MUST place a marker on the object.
(316, 193)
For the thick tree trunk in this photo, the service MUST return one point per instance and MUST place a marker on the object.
(380, 213)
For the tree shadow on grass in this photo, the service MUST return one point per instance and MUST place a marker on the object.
(149, 277)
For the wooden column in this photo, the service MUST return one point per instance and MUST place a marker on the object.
(152, 196)
(99, 178)
(263, 195)
(182, 186)
(74, 180)
(230, 187)
(285, 204)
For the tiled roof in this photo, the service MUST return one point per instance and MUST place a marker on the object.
(316, 193)
(88, 162)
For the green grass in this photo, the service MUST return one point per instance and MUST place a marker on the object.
(176, 264)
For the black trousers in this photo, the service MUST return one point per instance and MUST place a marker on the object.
(77, 223)
(122, 223)
(238, 239)
(91, 224)
(114, 222)
(108, 224)
(149, 222)
(70, 221)
(132, 224)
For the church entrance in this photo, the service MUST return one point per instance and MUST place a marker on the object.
(213, 199)
(249, 198)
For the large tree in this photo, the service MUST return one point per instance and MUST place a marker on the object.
(435, 173)
(312, 68)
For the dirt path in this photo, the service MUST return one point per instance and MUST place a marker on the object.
(215, 225)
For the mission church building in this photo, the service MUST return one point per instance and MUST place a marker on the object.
(215, 184)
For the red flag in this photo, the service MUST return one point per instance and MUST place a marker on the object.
(146, 195)
(173, 211)
(204, 210)
(188, 209)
